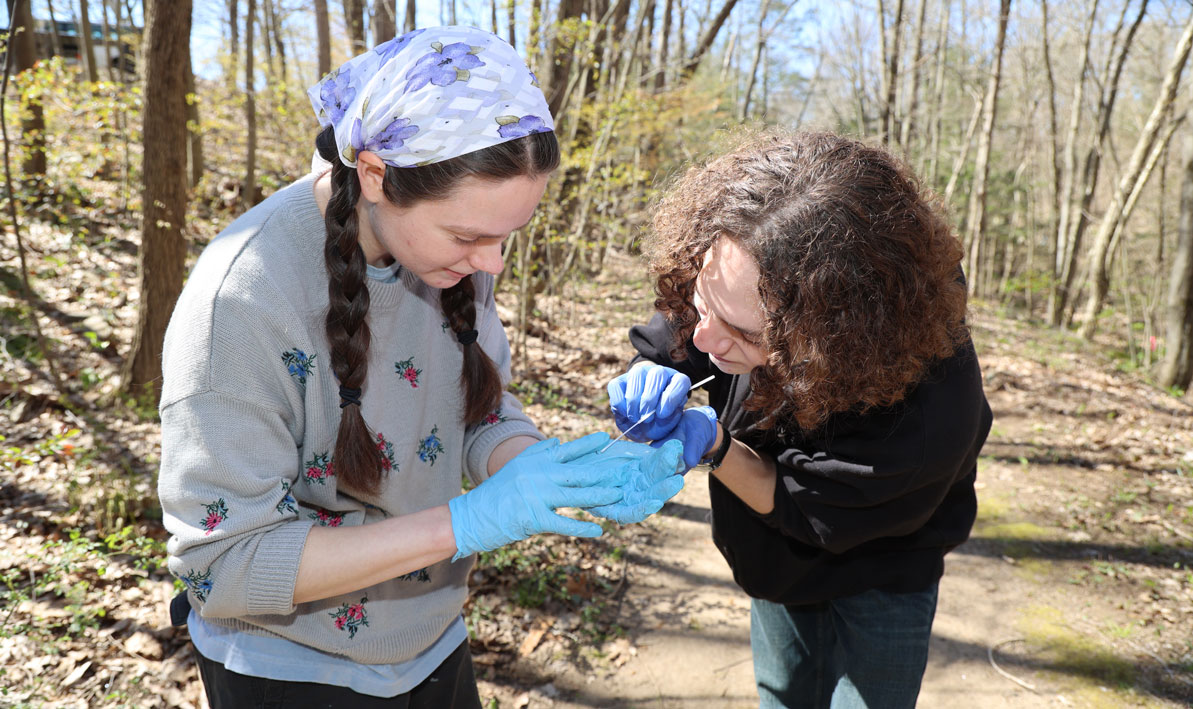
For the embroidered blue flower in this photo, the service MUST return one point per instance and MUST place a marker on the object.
(288, 503)
(391, 137)
(299, 364)
(514, 127)
(444, 66)
(199, 584)
(431, 447)
(388, 50)
(337, 93)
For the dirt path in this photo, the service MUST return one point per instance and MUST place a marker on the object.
(1030, 590)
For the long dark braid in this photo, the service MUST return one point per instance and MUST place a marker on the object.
(357, 460)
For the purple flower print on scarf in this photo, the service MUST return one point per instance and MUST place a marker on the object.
(388, 50)
(514, 127)
(443, 67)
(391, 137)
(338, 93)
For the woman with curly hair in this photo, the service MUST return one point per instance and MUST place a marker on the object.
(821, 285)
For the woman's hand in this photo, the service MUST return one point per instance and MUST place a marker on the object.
(648, 388)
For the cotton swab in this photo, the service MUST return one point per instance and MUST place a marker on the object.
(648, 414)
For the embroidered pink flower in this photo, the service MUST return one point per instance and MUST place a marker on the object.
(351, 617)
(327, 519)
(319, 468)
(406, 370)
(386, 449)
(217, 512)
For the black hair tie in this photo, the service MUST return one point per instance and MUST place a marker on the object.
(467, 337)
(349, 396)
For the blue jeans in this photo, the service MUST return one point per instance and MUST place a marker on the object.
(866, 651)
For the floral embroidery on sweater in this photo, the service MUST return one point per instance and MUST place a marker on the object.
(299, 364)
(431, 447)
(216, 512)
(318, 469)
(406, 370)
(386, 449)
(288, 503)
(327, 519)
(493, 417)
(199, 584)
(351, 616)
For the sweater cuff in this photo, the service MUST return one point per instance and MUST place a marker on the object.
(275, 569)
(476, 461)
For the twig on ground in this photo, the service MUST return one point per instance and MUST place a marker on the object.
(990, 654)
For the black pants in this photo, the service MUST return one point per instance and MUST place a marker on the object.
(451, 686)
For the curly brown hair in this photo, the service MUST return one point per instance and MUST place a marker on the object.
(860, 278)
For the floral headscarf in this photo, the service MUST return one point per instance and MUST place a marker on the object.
(430, 95)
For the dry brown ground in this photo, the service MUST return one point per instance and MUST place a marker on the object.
(1076, 589)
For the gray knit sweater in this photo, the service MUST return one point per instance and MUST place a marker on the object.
(249, 413)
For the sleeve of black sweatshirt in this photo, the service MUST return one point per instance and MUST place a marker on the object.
(883, 473)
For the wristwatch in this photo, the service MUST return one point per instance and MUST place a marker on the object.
(718, 456)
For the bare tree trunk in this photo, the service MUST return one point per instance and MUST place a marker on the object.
(759, 43)
(1062, 273)
(1176, 370)
(966, 144)
(354, 21)
(1098, 270)
(323, 36)
(1079, 214)
(411, 12)
(660, 79)
(107, 37)
(1053, 134)
(33, 122)
(890, 71)
(263, 23)
(511, 22)
(942, 40)
(55, 38)
(916, 65)
(163, 247)
(249, 192)
(88, 49)
(706, 40)
(385, 21)
(275, 28)
(195, 142)
(977, 201)
(234, 41)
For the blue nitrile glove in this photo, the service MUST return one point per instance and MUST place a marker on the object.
(646, 388)
(654, 481)
(521, 498)
(697, 430)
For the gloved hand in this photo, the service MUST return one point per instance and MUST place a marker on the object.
(646, 388)
(521, 498)
(697, 430)
(654, 481)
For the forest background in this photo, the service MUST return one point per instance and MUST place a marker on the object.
(1056, 134)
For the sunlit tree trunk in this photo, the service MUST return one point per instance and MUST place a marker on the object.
(33, 122)
(916, 66)
(660, 79)
(249, 193)
(1099, 278)
(977, 202)
(163, 247)
(354, 21)
(87, 45)
(194, 132)
(890, 36)
(1176, 369)
(233, 41)
(411, 10)
(706, 39)
(323, 37)
(942, 43)
(385, 21)
(1062, 274)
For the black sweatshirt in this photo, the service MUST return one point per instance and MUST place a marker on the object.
(867, 501)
